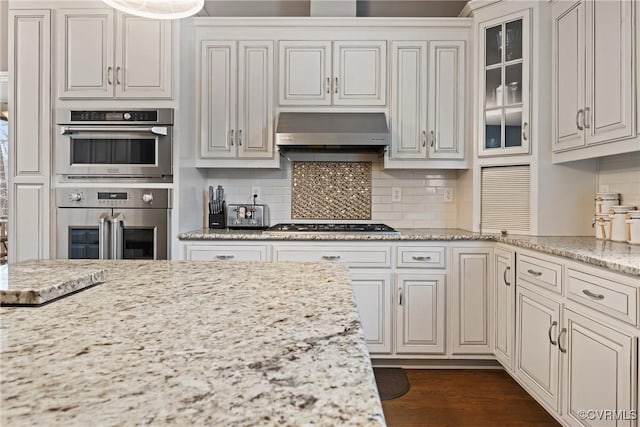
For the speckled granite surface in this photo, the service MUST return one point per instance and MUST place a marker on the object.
(38, 282)
(192, 343)
(619, 257)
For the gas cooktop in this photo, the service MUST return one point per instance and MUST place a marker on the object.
(345, 228)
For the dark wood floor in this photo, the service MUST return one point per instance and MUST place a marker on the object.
(464, 398)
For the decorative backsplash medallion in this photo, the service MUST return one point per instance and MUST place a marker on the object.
(331, 190)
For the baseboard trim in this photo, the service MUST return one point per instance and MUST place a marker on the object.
(436, 364)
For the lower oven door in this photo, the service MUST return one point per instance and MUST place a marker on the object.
(139, 234)
(83, 233)
(114, 151)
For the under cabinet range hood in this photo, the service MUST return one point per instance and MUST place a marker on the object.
(332, 131)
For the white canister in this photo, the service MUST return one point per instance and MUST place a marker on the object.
(605, 201)
(601, 225)
(618, 226)
(633, 227)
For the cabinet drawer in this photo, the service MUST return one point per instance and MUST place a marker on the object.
(351, 255)
(540, 272)
(607, 296)
(421, 257)
(226, 253)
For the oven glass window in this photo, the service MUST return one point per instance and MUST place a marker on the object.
(138, 151)
(138, 243)
(84, 243)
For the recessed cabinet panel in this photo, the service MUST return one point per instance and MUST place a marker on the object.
(408, 100)
(504, 291)
(143, 52)
(305, 73)
(255, 101)
(372, 292)
(359, 72)
(85, 64)
(218, 99)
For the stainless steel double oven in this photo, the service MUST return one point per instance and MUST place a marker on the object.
(102, 157)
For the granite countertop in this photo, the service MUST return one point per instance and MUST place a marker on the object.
(191, 343)
(618, 257)
(39, 282)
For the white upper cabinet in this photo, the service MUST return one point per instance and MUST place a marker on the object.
(99, 60)
(504, 85)
(593, 75)
(236, 101)
(333, 73)
(427, 102)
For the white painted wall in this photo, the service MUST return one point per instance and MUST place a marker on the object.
(621, 173)
(257, 8)
(4, 34)
(413, 8)
(422, 202)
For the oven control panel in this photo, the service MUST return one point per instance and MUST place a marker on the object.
(153, 198)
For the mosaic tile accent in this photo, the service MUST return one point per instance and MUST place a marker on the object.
(331, 190)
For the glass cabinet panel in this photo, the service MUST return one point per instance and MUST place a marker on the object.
(505, 80)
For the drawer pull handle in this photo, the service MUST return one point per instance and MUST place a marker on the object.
(562, 332)
(400, 296)
(553, 325)
(331, 257)
(534, 273)
(421, 258)
(504, 276)
(223, 257)
(588, 293)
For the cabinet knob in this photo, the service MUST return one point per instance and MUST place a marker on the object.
(147, 197)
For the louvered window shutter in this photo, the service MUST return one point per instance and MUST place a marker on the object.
(505, 199)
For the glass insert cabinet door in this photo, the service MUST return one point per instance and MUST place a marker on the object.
(504, 89)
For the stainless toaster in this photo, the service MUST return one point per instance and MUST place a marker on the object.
(247, 216)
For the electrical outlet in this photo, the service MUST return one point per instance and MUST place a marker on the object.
(448, 194)
(396, 194)
(256, 191)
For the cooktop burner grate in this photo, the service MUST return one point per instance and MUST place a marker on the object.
(348, 228)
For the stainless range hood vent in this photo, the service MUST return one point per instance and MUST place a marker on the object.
(332, 131)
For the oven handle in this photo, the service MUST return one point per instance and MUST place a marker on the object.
(116, 236)
(103, 229)
(156, 130)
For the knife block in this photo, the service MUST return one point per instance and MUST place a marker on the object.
(218, 220)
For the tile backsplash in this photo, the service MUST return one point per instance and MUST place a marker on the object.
(422, 191)
(621, 174)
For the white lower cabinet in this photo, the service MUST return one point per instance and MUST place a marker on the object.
(373, 293)
(226, 252)
(504, 298)
(420, 313)
(470, 302)
(599, 366)
(537, 355)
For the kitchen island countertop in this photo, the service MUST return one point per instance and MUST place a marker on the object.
(618, 257)
(192, 343)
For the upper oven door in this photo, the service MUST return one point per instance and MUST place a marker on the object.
(114, 151)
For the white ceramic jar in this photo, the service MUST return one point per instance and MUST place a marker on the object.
(618, 226)
(601, 225)
(605, 201)
(633, 227)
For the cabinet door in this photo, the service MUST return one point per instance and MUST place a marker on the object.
(609, 113)
(254, 133)
(360, 73)
(446, 99)
(537, 357)
(504, 296)
(504, 85)
(305, 73)
(143, 57)
(372, 292)
(420, 314)
(217, 99)
(85, 49)
(408, 100)
(469, 290)
(599, 365)
(568, 75)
